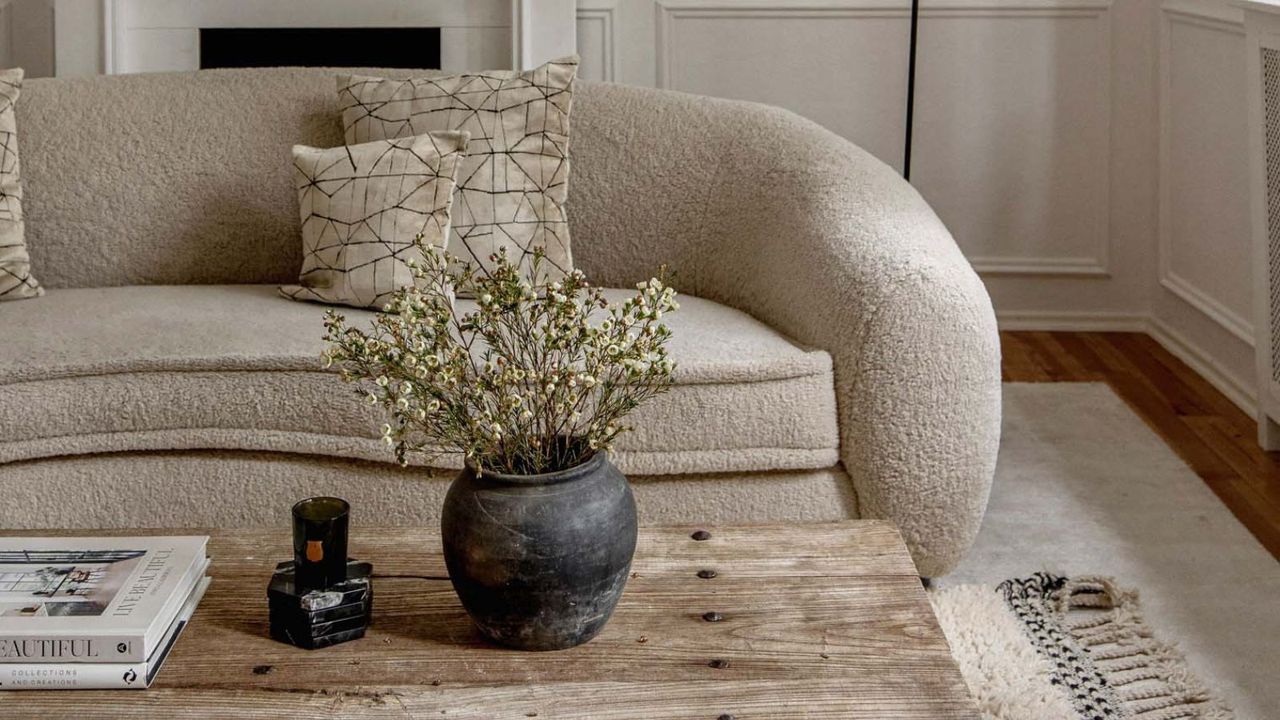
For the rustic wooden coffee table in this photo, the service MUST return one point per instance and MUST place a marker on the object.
(805, 621)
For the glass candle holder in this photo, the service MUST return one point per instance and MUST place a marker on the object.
(320, 527)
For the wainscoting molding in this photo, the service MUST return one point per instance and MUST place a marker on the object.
(1054, 321)
(1097, 266)
(671, 11)
(1088, 189)
(1205, 303)
(1224, 16)
(1216, 17)
(602, 13)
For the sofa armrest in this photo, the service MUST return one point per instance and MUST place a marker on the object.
(760, 209)
(918, 393)
(832, 247)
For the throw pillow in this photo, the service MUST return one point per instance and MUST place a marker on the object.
(362, 207)
(514, 181)
(16, 282)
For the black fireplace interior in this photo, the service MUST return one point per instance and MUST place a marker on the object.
(398, 47)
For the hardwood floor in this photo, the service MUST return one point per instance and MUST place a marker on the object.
(1202, 426)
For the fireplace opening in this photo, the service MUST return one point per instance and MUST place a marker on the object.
(398, 47)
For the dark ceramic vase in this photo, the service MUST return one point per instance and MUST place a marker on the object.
(539, 561)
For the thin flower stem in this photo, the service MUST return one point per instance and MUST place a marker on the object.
(538, 377)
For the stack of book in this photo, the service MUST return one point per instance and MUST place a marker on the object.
(100, 612)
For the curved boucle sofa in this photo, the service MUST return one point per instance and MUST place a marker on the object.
(837, 355)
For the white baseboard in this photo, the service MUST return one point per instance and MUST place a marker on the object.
(1071, 322)
(1204, 365)
(1177, 344)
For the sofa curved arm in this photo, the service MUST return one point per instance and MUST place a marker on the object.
(760, 209)
(846, 256)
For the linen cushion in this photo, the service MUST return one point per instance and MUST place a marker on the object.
(362, 207)
(236, 367)
(16, 281)
(514, 181)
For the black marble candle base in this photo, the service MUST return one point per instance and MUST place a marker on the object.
(319, 618)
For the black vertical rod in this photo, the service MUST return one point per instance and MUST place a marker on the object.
(911, 90)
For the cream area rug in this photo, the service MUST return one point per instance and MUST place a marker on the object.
(1084, 490)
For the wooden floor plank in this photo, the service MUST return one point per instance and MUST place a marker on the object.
(1065, 366)
(1020, 363)
(1253, 465)
(1182, 397)
(1075, 346)
(1202, 426)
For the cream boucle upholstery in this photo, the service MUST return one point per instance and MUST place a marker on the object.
(218, 488)
(184, 179)
(236, 367)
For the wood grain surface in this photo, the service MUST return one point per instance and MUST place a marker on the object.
(817, 621)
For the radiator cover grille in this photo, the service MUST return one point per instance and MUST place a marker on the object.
(1271, 122)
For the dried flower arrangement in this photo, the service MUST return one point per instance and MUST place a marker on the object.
(537, 378)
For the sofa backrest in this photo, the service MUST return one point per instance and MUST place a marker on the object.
(168, 178)
(182, 178)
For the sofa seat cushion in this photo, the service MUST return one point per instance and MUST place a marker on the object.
(238, 367)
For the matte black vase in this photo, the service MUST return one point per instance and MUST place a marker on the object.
(540, 561)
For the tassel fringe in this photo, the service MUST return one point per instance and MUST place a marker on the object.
(1149, 677)
(1104, 653)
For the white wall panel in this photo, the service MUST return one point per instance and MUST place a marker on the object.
(1202, 304)
(843, 66)
(1205, 241)
(1013, 106)
(598, 40)
(541, 30)
(1012, 139)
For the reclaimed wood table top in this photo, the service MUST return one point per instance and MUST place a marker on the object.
(814, 621)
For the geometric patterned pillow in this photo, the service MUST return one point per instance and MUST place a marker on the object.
(515, 179)
(16, 282)
(361, 208)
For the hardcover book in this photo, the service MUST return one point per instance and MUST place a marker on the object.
(93, 600)
(98, 676)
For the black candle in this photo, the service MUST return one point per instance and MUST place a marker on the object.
(320, 542)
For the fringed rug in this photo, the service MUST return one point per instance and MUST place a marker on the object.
(1055, 648)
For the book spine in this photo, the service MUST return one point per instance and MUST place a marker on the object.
(28, 649)
(68, 676)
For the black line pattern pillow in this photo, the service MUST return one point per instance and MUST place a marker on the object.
(362, 206)
(514, 181)
(16, 282)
